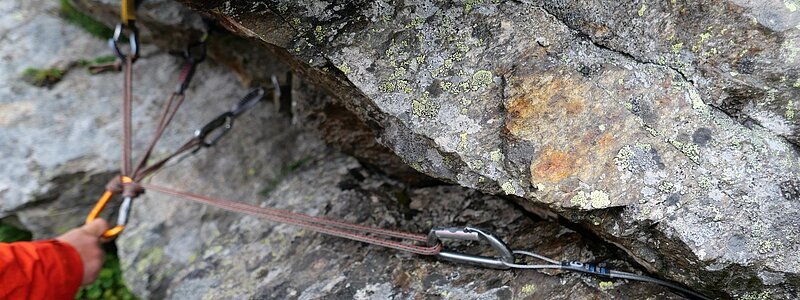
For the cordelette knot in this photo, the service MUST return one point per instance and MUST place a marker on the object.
(126, 186)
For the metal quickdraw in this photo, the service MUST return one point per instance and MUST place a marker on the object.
(506, 258)
(214, 130)
(193, 55)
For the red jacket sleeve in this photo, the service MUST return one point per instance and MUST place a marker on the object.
(39, 270)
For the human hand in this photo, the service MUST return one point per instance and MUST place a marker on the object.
(86, 240)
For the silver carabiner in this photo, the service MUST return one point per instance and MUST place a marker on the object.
(506, 256)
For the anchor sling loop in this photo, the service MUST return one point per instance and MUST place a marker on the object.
(129, 182)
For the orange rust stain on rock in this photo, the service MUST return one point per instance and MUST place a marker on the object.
(605, 140)
(542, 100)
(574, 106)
(553, 165)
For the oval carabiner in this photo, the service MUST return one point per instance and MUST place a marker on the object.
(122, 216)
(214, 130)
(437, 234)
(132, 40)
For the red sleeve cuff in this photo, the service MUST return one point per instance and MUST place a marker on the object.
(39, 270)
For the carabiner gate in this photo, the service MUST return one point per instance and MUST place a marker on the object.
(122, 215)
(472, 234)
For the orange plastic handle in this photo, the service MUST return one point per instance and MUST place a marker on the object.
(98, 208)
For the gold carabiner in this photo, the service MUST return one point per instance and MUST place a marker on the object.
(122, 218)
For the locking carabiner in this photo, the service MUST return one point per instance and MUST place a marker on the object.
(122, 215)
(472, 234)
(133, 40)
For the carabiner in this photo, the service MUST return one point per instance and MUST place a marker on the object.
(216, 129)
(199, 55)
(472, 234)
(122, 216)
(132, 40)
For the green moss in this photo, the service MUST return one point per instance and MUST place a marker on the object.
(92, 26)
(291, 167)
(109, 283)
(42, 77)
(97, 60)
(10, 234)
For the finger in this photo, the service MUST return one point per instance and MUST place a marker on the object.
(96, 227)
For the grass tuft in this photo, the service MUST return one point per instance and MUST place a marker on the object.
(91, 25)
(43, 77)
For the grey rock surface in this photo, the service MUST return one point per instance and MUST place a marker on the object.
(180, 250)
(669, 129)
(60, 146)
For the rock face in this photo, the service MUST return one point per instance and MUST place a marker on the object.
(60, 146)
(668, 129)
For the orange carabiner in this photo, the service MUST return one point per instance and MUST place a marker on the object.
(122, 217)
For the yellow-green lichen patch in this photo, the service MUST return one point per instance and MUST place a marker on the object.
(625, 158)
(666, 187)
(580, 199)
(606, 285)
(480, 79)
(691, 150)
(676, 48)
(508, 188)
(424, 107)
(790, 111)
(762, 295)
(599, 199)
(527, 290)
(642, 10)
(703, 38)
(769, 246)
(319, 34)
(496, 155)
(151, 258)
(462, 141)
(470, 4)
(791, 5)
(344, 68)
(697, 102)
(705, 182)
